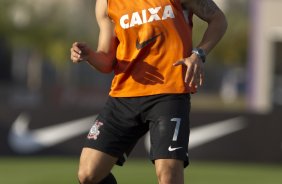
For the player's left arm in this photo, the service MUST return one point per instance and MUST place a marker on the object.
(208, 11)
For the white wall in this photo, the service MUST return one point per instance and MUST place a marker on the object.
(266, 27)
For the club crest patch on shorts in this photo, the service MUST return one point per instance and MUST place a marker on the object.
(94, 131)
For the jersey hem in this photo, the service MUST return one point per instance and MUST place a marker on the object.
(149, 94)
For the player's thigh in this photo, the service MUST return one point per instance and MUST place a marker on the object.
(95, 164)
(170, 170)
(169, 129)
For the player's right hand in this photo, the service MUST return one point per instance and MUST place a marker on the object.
(79, 52)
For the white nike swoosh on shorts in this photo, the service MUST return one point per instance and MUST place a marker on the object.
(173, 149)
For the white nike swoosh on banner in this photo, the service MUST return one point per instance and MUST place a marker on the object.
(23, 140)
(210, 132)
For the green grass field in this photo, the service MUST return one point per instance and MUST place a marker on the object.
(63, 171)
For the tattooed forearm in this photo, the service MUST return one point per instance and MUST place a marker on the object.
(204, 8)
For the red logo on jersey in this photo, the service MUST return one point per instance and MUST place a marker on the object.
(94, 131)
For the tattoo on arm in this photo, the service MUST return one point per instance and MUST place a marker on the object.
(205, 8)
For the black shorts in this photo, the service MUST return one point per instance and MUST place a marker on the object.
(124, 120)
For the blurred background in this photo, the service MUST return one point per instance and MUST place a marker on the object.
(48, 104)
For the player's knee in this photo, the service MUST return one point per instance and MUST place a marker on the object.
(86, 176)
(165, 177)
(168, 173)
(169, 178)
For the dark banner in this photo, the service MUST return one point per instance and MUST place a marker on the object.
(214, 135)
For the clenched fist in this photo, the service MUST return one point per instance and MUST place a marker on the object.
(79, 52)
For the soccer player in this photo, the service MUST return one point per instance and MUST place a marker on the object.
(148, 45)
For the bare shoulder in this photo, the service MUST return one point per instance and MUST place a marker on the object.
(205, 9)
